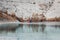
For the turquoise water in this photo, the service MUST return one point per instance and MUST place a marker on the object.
(32, 32)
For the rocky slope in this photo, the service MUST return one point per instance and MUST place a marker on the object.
(25, 8)
(54, 10)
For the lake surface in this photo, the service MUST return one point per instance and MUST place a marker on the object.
(32, 32)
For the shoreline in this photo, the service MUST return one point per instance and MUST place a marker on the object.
(43, 23)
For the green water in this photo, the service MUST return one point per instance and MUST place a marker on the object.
(32, 32)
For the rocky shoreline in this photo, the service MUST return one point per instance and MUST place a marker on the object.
(4, 16)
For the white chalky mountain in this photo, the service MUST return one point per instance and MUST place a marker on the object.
(54, 10)
(26, 8)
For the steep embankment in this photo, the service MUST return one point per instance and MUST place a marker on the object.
(27, 8)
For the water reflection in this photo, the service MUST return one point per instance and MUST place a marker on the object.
(56, 26)
(43, 27)
(37, 27)
(34, 27)
(19, 28)
(32, 32)
(28, 27)
(8, 27)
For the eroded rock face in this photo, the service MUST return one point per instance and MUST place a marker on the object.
(54, 10)
(24, 9)
(56, 19)
(38, 18)
(4, 16)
